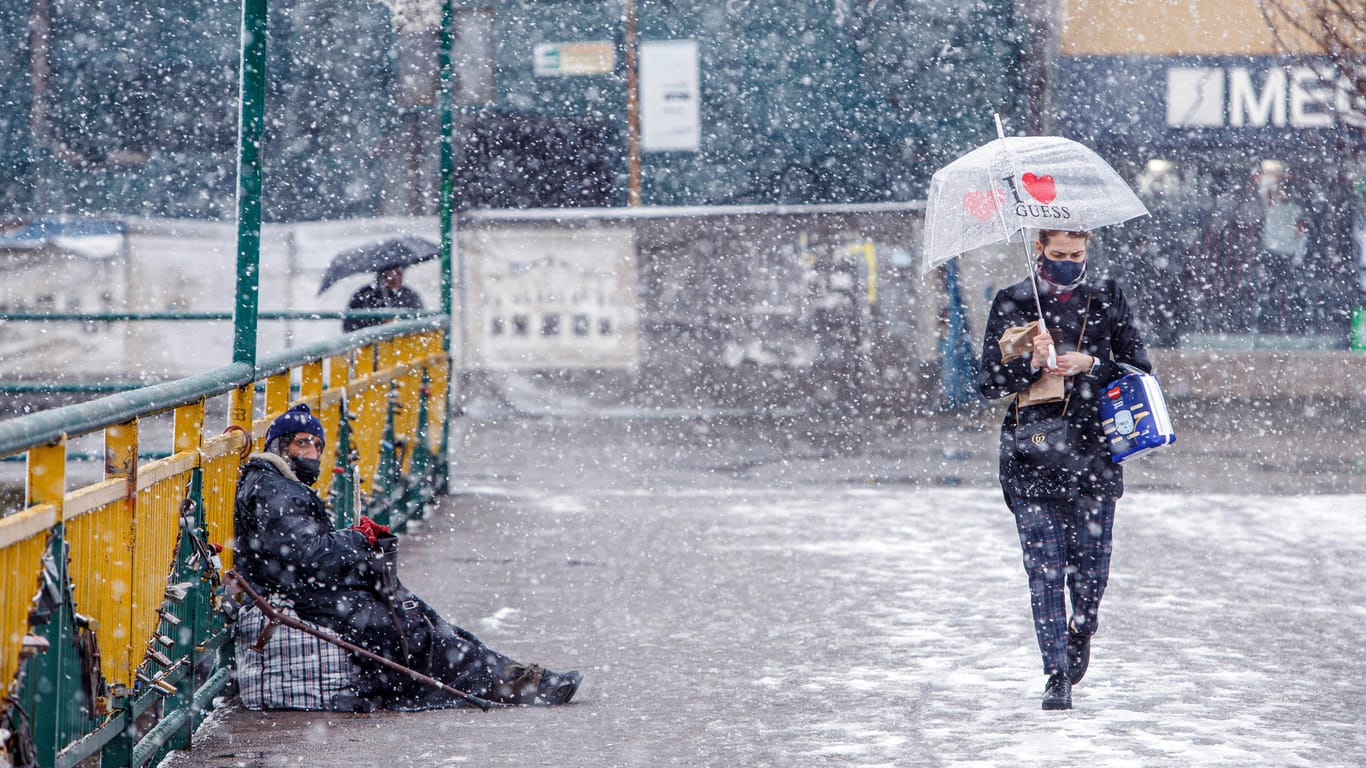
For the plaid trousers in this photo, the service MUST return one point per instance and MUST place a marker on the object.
(1066, 546)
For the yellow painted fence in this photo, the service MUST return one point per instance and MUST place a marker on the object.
(122, 556)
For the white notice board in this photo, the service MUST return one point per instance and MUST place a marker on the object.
(670, 115)
(552, 298)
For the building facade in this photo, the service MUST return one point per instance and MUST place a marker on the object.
(739, 101)
(1247, 153)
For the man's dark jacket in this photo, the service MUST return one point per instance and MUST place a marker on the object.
(379, 297)
(1111, 337)
(287, 545)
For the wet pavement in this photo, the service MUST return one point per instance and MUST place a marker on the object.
(785, 592)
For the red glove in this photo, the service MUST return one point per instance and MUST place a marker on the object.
(370, 529)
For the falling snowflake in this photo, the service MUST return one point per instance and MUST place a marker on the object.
(414, 15)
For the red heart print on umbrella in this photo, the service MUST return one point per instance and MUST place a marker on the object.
(983, 205)
(1040, 187)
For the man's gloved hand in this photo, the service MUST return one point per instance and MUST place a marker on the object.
(370, 529)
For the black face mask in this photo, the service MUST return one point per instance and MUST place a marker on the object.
(1065, 274)
(307, 470)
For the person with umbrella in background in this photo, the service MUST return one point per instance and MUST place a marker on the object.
(1052, 343)
(387, 260)
(387, 292)
(1064, 510)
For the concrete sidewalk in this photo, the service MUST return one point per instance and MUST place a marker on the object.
(778, 593)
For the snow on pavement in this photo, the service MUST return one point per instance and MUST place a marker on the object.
(878, 625)
(1211, 652)
(890, 627)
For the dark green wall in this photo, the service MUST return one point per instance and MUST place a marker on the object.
(142, 112)
(801, 103)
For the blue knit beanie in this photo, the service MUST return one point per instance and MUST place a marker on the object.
(291, 422)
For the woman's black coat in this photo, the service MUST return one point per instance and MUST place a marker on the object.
(1111, 337)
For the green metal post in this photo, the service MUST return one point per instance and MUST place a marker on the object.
(447, 200)
(251, 126)
(182, 647)
(421, 465)
(387, 489)
(46, 675)
(342, 493)
(200, 604)
(447, 203)
(421, 481)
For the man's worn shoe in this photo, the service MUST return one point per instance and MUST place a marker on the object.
(527, 684)
(1057, 694)
(1078, 655)
(558, 688)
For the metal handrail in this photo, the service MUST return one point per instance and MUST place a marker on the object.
(112, 547)
(112, 317)
(24, 432)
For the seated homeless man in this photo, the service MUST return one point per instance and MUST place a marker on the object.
(287, 546)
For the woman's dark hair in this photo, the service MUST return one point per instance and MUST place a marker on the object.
(1044, 234)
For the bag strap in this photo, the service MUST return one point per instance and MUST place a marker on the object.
(1067, 402)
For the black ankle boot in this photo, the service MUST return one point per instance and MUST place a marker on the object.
(1078, 655)
(1057, 694)
(558, 688)
(527, 684)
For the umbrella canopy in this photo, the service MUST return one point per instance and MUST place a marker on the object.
(377, 257)
(992, 194)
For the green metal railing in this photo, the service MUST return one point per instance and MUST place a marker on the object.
(111, 641)
(108, 616)
(109, 317)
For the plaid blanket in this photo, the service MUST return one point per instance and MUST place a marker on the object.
(296, 671)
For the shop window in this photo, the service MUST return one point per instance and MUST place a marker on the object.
(1165, 184)
(472, 56)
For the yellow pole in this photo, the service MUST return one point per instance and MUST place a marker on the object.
(242, 407)
(189, 427)
(277, 394)
(121, 453)
(46, 482)
(311, 382)
(870, 263)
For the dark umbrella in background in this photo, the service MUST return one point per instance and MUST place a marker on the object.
(377, 257)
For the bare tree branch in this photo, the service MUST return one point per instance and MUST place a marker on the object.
(1335, 29)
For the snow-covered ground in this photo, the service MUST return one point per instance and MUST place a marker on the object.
(724, 621)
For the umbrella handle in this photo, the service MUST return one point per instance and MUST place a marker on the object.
(1052, 351)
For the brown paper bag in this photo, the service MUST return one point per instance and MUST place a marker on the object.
(1015, 342)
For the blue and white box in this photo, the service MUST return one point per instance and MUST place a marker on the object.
(1134, 415)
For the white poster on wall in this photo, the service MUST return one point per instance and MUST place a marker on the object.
(557, 298)
(670, 114)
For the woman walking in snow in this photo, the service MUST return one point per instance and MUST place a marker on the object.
(1064, 506)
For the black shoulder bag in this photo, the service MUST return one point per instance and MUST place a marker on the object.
(1049, 442)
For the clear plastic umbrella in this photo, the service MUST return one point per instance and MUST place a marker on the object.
(996, 192)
